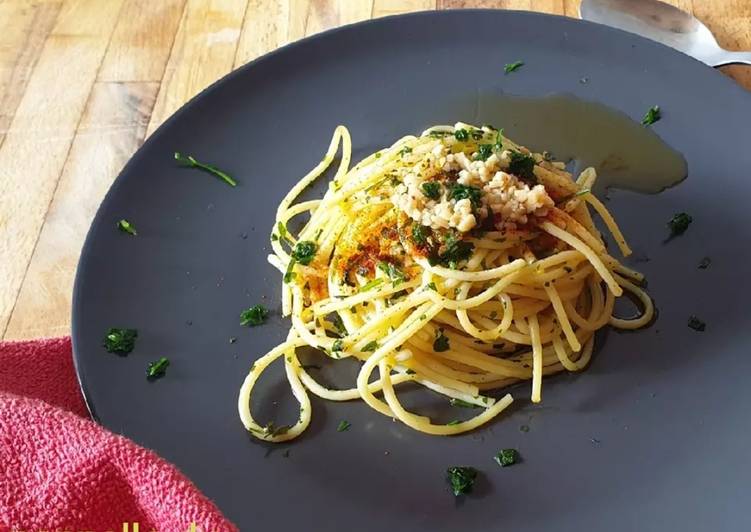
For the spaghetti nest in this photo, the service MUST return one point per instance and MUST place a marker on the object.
(456, 260)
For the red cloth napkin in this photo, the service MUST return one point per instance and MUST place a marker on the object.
(61, 471)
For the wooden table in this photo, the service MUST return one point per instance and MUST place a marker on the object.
(84, 82)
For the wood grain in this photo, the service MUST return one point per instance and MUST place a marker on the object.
(37, 142)
(545, 6)
(267, 26)
(203, 51)
(142, 40)
(82, 82)
(111, 129)
(27, 25)
(383, 8)
(326, 14)
(732, 27)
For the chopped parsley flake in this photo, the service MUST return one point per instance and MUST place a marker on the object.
(271, 430)
(370, 285)
(431, 189)
(498, 141)
(419, 233)
(395, 274)
(283, 234)
(651, 116)
(120, 341)
(290, 274)
(522, 166)
(461, 403)
(371, 346)
(338, 324)
(253, 316)
(343, 425)
(483, 152)
(461, 479)
(338, 345)
(157, 369)
(456, 250)
(431, 285)
(441, 342)
(304, 252)
(126, 227)
(513, 67)
(461, 135)
(405, 150)
(191, 162)
(696, 324)
(507, 457)
(460, 192)
(679, 223)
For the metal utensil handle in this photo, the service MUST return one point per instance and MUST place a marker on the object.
(732, 58)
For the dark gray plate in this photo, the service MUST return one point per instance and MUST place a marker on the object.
(653, 436)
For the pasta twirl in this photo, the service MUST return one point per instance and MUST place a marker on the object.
(456, 260)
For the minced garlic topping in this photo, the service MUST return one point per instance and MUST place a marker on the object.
(507, 198)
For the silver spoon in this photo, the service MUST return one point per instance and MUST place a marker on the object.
(663, 23)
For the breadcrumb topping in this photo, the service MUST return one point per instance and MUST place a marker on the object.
(450, 187)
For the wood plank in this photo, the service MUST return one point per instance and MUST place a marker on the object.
(554, 7)
(561, 7)
(25, 27)
(203, 51)
(548, 6)
(41, 132)
(270, 24)
(383, 8)
(112, 127)
(731, 24)
(326, 14)
(142, 40)
(298, 18)
(266, 27)
(688, 5)
(571, 8)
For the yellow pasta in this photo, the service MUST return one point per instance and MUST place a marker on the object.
(455, 260)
